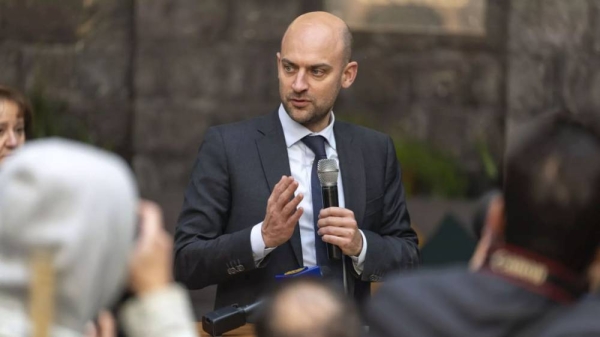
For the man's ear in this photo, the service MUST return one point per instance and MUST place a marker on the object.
(492, 233)
(349, 74)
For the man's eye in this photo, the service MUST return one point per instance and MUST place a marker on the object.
(288, 68)
(318, 72)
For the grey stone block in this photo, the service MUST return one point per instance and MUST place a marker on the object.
(50, 67)
(581, 86)
(448, 129)
(527, 85)
(180, 70)
(176, 127)
(439, 77)
(107, 26)
(40, 20)
(543, 25)
(9, 65)
(203, 21)
(381, 81)
(564, 23)
(262, 19)
(595, 23)
(177, 69)
(68, 70)
(163, 178)
(485, 80)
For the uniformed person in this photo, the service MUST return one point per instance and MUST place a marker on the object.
(539, 240)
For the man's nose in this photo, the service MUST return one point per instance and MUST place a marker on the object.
(300, 84)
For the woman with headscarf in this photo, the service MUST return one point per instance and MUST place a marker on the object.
(68, 215)
(16, 118)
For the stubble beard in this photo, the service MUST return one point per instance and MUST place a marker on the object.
(308, 116)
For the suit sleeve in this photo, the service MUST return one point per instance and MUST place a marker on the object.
(204, 253)
(393, 245)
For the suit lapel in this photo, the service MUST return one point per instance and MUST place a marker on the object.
(353, 172)
(275, 163)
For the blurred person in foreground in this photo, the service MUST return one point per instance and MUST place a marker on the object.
(308, 307)
(68, 215)
(16, 118)
(538, 243)
(253, 207)
(582, 319)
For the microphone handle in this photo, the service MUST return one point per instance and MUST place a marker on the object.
(330, 199)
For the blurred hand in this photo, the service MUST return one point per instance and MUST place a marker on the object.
(594, 273)
(492, 233)
(282, 213)
(338, 227)
(150, 267)
(105, 328)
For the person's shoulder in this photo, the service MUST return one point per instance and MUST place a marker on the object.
(408, 293)
(244, 128)
(360, 131)
(581, 319)
(427, 277)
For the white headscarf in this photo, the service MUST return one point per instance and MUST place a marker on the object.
(78, 201)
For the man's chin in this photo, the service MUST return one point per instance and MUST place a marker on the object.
(300, 116)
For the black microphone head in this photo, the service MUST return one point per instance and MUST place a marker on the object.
(327, 170)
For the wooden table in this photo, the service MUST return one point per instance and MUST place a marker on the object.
(245, 331)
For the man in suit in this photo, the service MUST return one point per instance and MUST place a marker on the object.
(252, 209)
(540, 238)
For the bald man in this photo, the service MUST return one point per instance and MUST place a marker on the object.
(308, 308)
(253, 207)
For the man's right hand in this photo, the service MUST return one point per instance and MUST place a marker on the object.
(282, 213)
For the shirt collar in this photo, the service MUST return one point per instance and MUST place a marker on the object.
(294, 131)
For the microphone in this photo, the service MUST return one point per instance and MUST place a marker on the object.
(327, 171)
(223, 320)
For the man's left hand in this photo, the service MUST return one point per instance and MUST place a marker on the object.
(338, 227)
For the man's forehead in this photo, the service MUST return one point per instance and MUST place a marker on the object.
(312, 45)
(311, 33)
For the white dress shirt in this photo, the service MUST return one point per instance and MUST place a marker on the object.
(301, 161)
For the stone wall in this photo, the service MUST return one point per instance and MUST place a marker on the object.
(553, 57)
(77, 52)
(447, 91)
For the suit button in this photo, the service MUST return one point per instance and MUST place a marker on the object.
(374, 278)
(240, 268)
(231, 271)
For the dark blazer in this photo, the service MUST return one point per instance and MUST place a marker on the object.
(455, 302)
(237, 167)
(581, 320)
